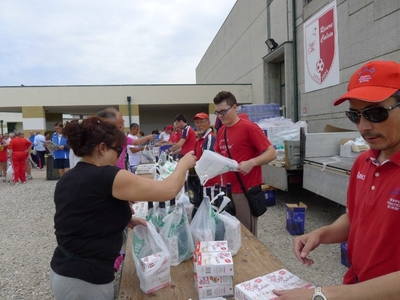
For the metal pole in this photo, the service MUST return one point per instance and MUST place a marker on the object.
(1, 125)
(129, 109)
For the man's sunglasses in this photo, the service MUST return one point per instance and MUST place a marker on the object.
(375, 114)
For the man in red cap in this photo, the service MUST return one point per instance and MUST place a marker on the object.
(372, 221)
(206, 137)
(205, 140)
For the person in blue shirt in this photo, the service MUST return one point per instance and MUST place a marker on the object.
(61, 155)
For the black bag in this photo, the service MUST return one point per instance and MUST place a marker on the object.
(256, 198)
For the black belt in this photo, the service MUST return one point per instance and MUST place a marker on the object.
(67, 253)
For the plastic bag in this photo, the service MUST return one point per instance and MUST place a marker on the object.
(177, 236)
(148, 154)
(203, 224)
(233, 232)
(10, 169)
(188, 207)
(212, 164)
(151, 257)
(168, 167)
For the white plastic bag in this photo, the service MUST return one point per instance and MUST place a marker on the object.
(212, 164)
(151, 257)
(233, 232)
(148, 154)
(203, 224)
(177, 236)
(10, 169)
(188, 207)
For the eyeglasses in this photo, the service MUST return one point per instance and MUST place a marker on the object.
(119, 150)
(222, 112)
(375, 114)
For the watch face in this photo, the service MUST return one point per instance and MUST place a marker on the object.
(318, 297)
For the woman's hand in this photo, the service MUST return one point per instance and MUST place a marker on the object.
(136, 221)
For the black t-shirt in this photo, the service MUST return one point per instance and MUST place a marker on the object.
(89, 223)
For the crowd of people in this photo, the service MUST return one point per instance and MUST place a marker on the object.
(92, 199)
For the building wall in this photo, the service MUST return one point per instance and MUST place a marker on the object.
(155, 105)
(235, 54)
(367, 30)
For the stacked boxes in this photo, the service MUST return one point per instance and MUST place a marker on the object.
(295, 218)
(213, 267)
(260, 288)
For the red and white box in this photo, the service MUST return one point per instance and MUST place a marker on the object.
(207, 292)
(203, 281)
(210, 246)
(260, 288)
(214, 264)
(148, 262)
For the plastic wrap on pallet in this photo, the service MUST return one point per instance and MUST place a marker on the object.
(258, 112)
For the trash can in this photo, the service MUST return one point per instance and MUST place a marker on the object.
(51, 173)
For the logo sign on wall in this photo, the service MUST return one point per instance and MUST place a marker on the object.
(321, 49)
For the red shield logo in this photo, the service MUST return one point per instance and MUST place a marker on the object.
(320, 46)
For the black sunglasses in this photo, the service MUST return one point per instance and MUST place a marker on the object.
(375, 114)
(119, 150)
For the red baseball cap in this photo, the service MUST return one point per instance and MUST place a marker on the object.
(373, 82)
(169, 127)
(201, 116)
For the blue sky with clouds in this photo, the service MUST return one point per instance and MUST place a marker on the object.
(65, 42)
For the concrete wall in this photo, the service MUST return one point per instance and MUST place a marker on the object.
(235, 54)
(367, 30)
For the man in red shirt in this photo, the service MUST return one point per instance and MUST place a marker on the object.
(187, 140)
(19, 148)
(249, 146)
(372, 221)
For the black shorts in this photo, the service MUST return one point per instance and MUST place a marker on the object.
(61, 163)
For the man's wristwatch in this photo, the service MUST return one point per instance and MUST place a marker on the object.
(318, 294)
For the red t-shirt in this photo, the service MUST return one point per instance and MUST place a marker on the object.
(3, 152)
(246, 140)
(373, 205)
(175, 136)
(19, 144)
(190, 136)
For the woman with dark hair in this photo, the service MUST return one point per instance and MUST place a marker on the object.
(92, 209)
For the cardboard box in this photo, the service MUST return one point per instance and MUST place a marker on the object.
(295, 218)
(215, 291)
(160, 279)
(214, 264)
(270, 194)
(260, 288)
(208, 246)
(351, 150)
(202, 281)
(343, 254)
(147, 263)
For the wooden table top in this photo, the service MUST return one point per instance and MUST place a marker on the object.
(252, 260)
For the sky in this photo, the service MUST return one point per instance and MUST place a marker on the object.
(96, 42)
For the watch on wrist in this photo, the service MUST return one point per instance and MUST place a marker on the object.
(318, 294)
